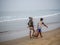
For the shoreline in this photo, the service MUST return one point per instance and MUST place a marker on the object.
(48, 38)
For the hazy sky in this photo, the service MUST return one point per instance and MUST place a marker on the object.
(22, 5)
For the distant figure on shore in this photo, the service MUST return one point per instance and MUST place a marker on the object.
(39, 27)
(31, 27)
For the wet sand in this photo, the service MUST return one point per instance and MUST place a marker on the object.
(49, 38)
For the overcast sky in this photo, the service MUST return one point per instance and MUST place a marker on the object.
(22, 5)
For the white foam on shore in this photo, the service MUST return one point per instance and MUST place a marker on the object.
(33, 17)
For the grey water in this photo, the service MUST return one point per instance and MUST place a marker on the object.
(18, 28)
(8, 15)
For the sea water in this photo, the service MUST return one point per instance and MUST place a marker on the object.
(9, 15)
(14, 24)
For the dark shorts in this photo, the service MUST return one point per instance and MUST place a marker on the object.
(39, 30)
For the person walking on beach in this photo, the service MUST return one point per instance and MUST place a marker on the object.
(31, 27)
(39, 27)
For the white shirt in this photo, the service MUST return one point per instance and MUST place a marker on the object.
(40, 25)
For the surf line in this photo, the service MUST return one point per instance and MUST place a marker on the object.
(33, 17)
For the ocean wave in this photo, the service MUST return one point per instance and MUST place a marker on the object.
(11, 19)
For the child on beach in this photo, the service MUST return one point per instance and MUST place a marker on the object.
(39, 26)
(31, 27)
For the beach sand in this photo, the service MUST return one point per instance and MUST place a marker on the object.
(49, 38)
